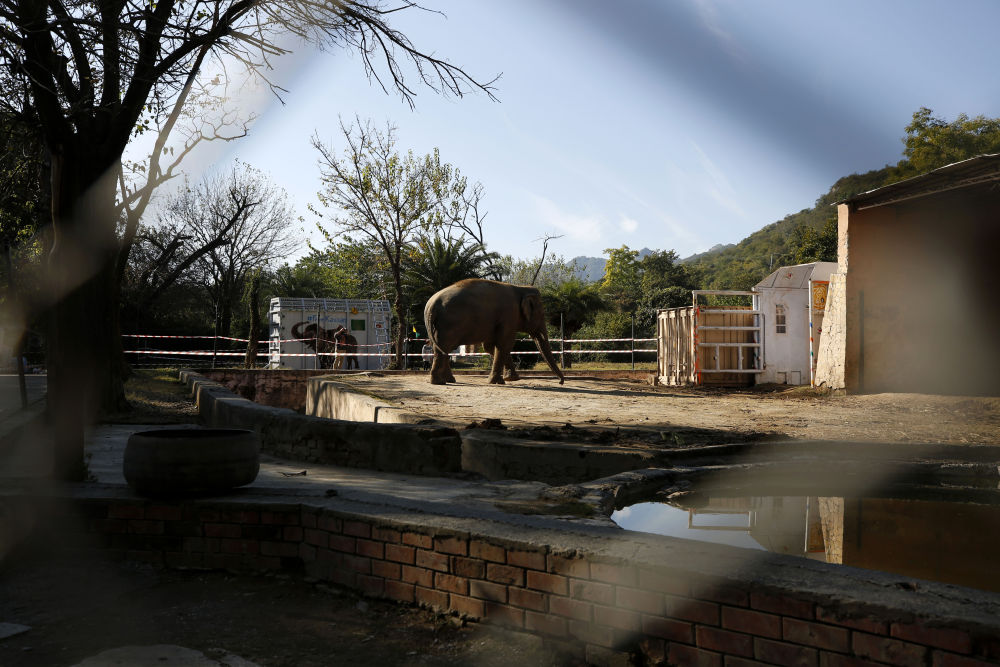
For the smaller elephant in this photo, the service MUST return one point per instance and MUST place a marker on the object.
(477, 311)
(321, 340)
(347, 344)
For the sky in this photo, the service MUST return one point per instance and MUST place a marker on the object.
(667, 124)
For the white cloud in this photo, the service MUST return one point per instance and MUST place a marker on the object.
(576, 227)
(627, 224)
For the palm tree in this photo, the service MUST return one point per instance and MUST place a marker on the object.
(576, 301)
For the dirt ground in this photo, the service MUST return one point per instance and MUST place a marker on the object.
(695, 414)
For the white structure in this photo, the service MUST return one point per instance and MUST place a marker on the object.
(302, 332)
(792, 320)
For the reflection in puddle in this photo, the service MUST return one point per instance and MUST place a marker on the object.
(942, 541)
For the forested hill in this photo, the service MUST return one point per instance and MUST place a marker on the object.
(742, 265)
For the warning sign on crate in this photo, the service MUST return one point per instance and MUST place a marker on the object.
(819, 288)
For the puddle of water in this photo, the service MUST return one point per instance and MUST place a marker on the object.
(949, 542)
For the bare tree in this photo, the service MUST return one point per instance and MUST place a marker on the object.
(85, 73)
(387, 198)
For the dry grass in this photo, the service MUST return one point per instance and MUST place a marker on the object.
(156, 396)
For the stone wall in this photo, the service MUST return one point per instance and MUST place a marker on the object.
(664, 603)
(421, 450)
(327, 398)
(276, 388)
(830, 360)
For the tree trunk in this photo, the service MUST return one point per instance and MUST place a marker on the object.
(84, 360)
(253, 296)
(400, 306)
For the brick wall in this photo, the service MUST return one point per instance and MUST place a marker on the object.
(591, 605)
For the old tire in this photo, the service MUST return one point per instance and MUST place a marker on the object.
(190, 462)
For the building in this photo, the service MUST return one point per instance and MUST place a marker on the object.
(911, 307)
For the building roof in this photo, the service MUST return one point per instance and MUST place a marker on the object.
(967, 173)
(797, 276)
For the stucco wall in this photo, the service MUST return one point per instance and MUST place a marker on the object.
(832, 344)
(920, 299)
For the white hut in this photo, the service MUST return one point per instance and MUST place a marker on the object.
(791, 301)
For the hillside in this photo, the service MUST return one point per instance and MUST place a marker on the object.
(742, 265)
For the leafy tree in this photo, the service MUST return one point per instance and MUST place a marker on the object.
(388, 199)
(89, 75)
(622, 277)
(551, 270)
(932, 142)
(572, 303)
(813, 245)
(435, 262)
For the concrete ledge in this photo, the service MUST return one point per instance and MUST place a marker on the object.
(327, 398)
(423, 450)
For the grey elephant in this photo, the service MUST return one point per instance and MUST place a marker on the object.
(477, 311)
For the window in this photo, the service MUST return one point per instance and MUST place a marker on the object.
(779, 319)
(357, 325)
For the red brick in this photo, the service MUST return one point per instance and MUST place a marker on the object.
(816, 634)
(591, 634)
(504, 615)
(309, 519)
(400, 554)
(724, 641)
(280, 518)
(520, 597)
(330, 524)
(892, 651)
(222, 530)
(307, 552)
(488, 591)
(956, 641)
(581, 611)
(257, 532)
(545, 624)
(675, 631)
(782, 653)
(385, 569)
(663, 582)
(570, 567)
(945, 659)
(654, 650)
(534, 560)
(467, 606)
(689, 656)
(357, 529)
(855, 622)
(418, 540)
(371, 549)
(751, 622)
(342, 577)
(430, 597)
(551, 583)
(487, 551)
(706, 613)
(357, 563)
(736, 661)
(623, 575)
(182, 560)
(593, 592)
(125, 511)
(616, 618)
(733, 597)
(505, 574)
(432, 560)
(240, 546)
(633, 598)
(164, 512)
(374, 586)
(244, 516)
(451, 583)
(827, 659)
(785, 606)
(145, 527)
(292, 534)
(342, 543)
(397, 590)
(386, 535)
(316, 537)
(468, 567)
(452, 545)
(417, 575)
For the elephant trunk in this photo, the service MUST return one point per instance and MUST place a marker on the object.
(542, 341)
(297, 330)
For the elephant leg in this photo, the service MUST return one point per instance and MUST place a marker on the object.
(501, 358)
(441, 369)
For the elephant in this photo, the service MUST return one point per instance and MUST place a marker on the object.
(319, 339)
(348, 344)
(477, 311)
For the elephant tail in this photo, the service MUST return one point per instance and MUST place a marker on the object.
(430, 321)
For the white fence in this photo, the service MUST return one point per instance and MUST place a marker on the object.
(151, 350)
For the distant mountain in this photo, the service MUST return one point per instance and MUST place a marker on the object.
(591, 269)
(717, 248)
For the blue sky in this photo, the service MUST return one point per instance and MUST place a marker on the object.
(670, 124)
